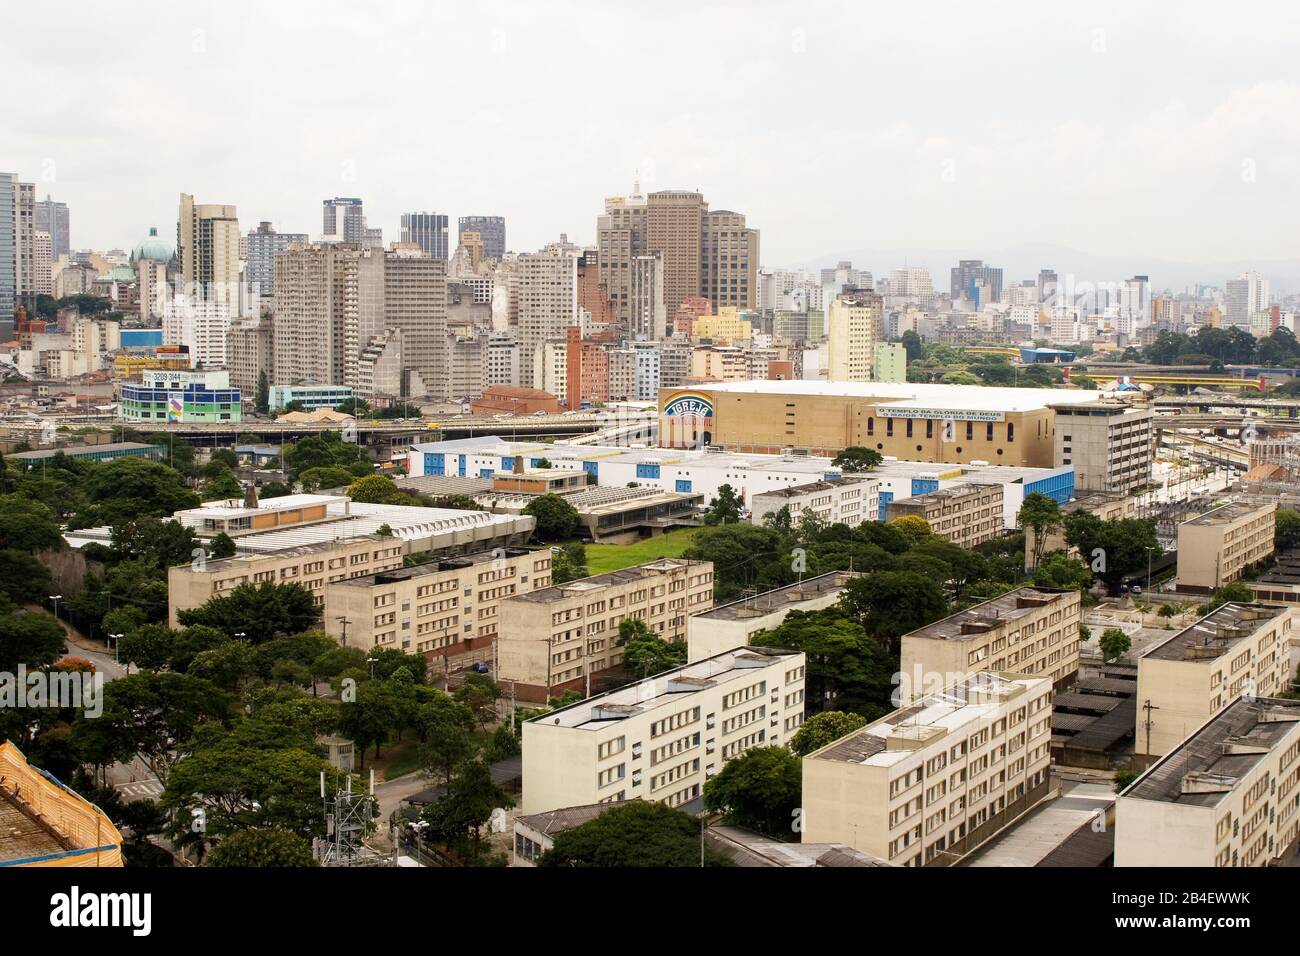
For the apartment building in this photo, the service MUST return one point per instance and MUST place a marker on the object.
(734, 625)
(446, 610)
(838, 499)
(314, 566)
(558, 638)
(854, 324)
(930, 782)
(207, 246)
(965, 515)
(1226, 795)
(548, 305)
(1107, 507)
(1215, 548)
(1030, 630)
(660, 739)
(1239, 649)
(728, 260)
(1109, 444)
(250, 354)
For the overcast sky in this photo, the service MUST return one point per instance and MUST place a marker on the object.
(1132, 128)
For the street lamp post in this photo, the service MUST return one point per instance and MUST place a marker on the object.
(56, 598)
(1149, 550)
(116, 638)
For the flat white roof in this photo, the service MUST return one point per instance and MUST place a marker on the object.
(918, 394)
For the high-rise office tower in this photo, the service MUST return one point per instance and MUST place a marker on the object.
(967, 272)
(207, 245)
(1047, 287)
(854, 325)
(264, 244)
(344, 219)
(1243, 297)
(649, 318)
(52, 217)
(428, 230)
(621, 237)
(25, 265)
(547, 290)
(912, 282)
(415, 301)
(43, 263)
(675, 225)
(491, 229)
(728, 261)
(8, 255)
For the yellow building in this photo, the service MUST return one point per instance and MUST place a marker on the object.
(43, 823)
(727, 324)
(905, 420)
(1216, 547)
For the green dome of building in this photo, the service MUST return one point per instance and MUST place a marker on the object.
(152, 247)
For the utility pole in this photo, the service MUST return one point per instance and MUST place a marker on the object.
(1148, 707)
(345, 622)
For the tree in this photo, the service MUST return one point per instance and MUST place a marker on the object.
(458, 818)
(259, 612)
(892, 603)
(647, 654)
(1235, 592)
(912, 344)
(150, 715)
(960, 566)
(370, 719)
(23, 579)
(261, 847)
(824, 728)
(1286, 533)
(262, 399)
(445, 727)
(725, 508)
(847, 669)
(149, 646)
(632, 834)
(857, 458)
(29, 638)
(375, 489)
(245, 788)
(569, 563)
(126, 488)
(557, 520)
(760, 790)
(330, 476)
(162, 544)
(1114, 549)
(27, 525)
(916, 528)
(221, 546)
(1062, 572)
(1114, 644)
(1040, 516)
(1123, 778)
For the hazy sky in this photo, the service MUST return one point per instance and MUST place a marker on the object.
(1132, 128)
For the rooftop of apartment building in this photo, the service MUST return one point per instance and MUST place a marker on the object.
(905, 731)
(1216, 634)
(562, 592)
(552, 822)
(1003, 609)
(1285, 570)
(1101, 408)
(812, 487)
(747, 848)
(955, 491)
(455, 563)
(917, 394)
(1207, 765)
(663, 690)
(1226, 514)
(237, 561)
(778, 598)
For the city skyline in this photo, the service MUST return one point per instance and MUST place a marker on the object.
(1196, 161)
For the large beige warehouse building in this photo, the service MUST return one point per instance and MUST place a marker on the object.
(1225, 796)
(660, 739)
(930, 782)
(905, 420)
(1239, 649)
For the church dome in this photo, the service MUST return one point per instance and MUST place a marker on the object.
(152, 247)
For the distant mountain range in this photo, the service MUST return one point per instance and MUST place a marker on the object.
(1023, 262)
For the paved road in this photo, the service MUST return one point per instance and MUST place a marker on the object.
(79, 645)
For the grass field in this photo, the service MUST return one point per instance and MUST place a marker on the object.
(611, 557)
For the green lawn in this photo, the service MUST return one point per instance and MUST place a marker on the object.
(611, 557)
